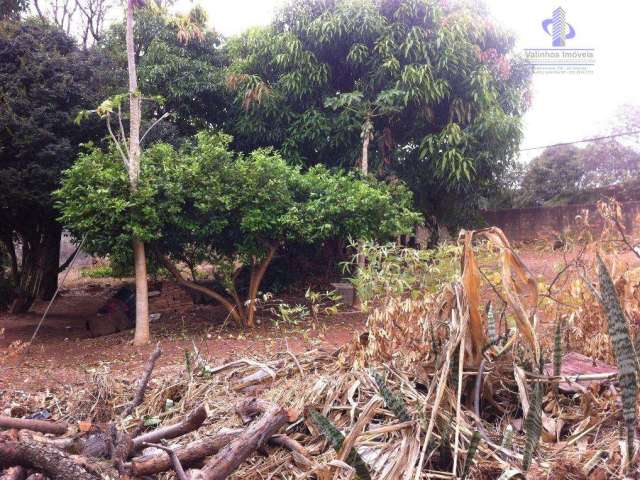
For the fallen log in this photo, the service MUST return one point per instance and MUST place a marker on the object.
(187, 455)
(144, 380)
(14, 473)
(56, 464)
(235, 453)
(42, 426)
(190, 423)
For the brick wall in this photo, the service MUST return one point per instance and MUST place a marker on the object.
(522, 224)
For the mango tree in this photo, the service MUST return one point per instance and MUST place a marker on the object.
(429, 91)
(204, 203)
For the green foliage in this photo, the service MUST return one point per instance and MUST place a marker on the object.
(203, 202)
(394, 402)
(623, 351)
(568, 174)
(532, 426)
(471, 452)
(391, 269)
(101, 271)
(181, 60)
(438, 80)
(11, 9)
(557, 351)
(336, 439)
(45, 80)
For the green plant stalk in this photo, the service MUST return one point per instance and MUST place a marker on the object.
(336, 438)
(392, 401)
(622, 349)
(473, 448)
(532, 426)
(557, 352)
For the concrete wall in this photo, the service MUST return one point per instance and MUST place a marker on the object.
(522, 224)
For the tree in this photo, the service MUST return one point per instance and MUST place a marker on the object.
(141, 335)
(44, 81)
(556, 171)
(84, 19)
(11, 9)
(433, 86)
(205, 203)
(180, 60)
(567, 173)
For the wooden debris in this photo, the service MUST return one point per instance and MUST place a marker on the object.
(234, 454)
(191, 422)
(144, 380)
(188, 455)
(56, 464)
(42, 426)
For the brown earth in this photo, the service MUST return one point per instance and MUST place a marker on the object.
(63, 351)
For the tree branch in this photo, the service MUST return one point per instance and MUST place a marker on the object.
(144, 380)
(41, 426)
(165, 115)
(168, 264)
(190, 423)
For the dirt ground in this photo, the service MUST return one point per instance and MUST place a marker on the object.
(63, 351)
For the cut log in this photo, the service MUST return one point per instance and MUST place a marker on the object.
(144, 380)
(190, 423)
(234, 454)
(56, 464)
(14, 473)
(42, 426)
(188, 455)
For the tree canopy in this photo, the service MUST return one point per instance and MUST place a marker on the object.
(45, 80)
(566, 173)
(439, 82)
(203, 202)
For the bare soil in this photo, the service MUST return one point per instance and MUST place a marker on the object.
(64, 352)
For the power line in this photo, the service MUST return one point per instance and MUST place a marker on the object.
(582, 141)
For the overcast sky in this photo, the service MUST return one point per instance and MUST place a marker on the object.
(565, 107)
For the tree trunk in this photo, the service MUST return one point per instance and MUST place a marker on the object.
(366, 137)
(256, 279)
(50, 261)
(200, 288)
(367, 126)
(40, 258)
(7, 240)
(141, 335)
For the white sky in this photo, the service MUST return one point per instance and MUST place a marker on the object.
(565, 107)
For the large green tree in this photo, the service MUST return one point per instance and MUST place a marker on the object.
(179, 59)
(45, 80)
(203, 203)
(426, 90)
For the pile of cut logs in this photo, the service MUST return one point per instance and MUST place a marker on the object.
(40, 449)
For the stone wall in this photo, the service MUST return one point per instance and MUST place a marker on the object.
(523, 224)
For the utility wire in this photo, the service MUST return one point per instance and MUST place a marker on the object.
(636, 132)
(44, 315)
